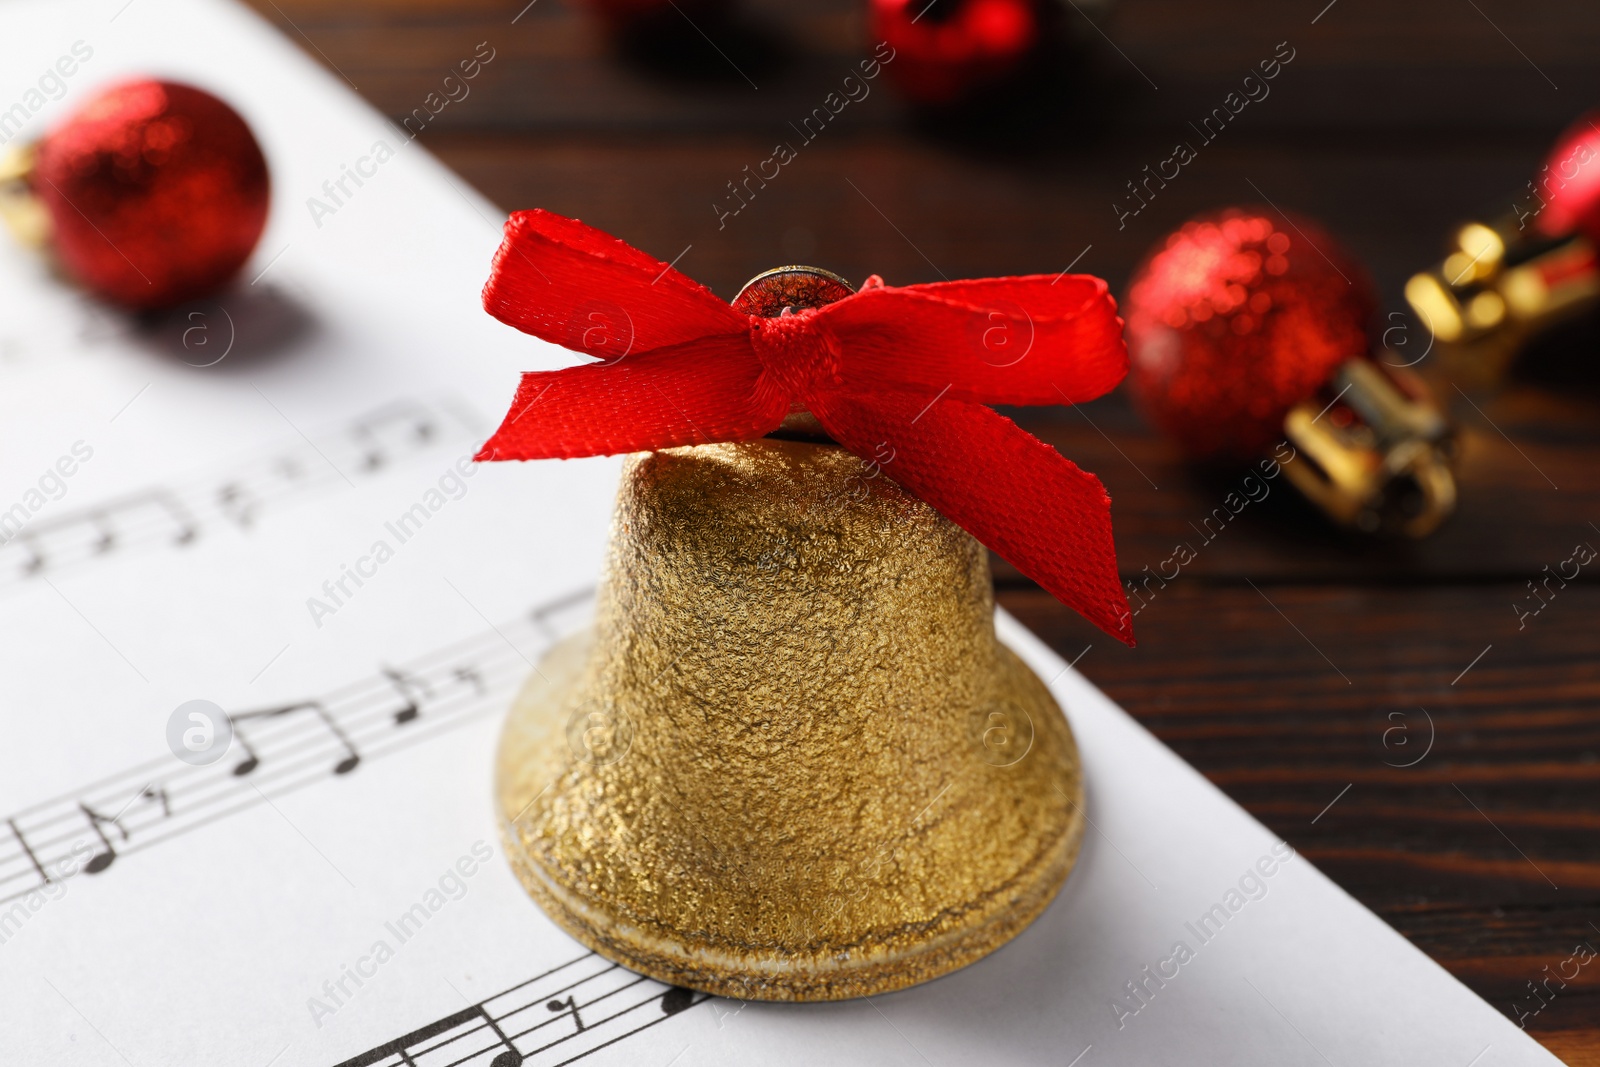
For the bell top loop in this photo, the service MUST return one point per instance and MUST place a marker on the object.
(785, 291)
(772, 292)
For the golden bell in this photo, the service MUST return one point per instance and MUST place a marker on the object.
(790, 761)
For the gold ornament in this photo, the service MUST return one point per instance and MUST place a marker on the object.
(1501, 285)
(1386, 461)
(791, 761)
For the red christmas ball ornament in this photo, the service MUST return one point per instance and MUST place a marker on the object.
(1570, 182)
(157, 192)
(945, 48)
(1236, 318)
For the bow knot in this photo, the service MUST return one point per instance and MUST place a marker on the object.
(897, 371)
(798, 351)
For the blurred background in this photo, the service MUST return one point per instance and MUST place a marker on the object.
(1381, 704)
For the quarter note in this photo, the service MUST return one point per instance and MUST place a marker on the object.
(101, 860)
(676, 999)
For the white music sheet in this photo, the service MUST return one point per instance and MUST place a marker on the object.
(331, 891)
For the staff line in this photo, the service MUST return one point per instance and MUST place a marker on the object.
(354, 723)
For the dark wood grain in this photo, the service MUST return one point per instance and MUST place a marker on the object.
(1287, 661)
(1482, 850)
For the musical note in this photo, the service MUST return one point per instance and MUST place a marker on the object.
(151, 793)
(510, 1057)
(35, 561)
(237, 503)
(278, 745)
(252, 759)
(676, 999)
(409, 688)
(564, 1006)
(404, 419)
(158, 793)
(106, 530)
(101, 860)
(188, 529)
(106, 534)
(470, 676)
(28, 851)
(348, 764)
(618, 1003)
(99, 531)
(169, 512)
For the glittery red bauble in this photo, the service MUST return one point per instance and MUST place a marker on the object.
(1570, 182)
(1233, 320)
(157, 192)
(943, 48)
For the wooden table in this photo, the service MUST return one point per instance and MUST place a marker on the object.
(1294, 666)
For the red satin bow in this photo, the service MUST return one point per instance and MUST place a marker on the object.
(899, 371)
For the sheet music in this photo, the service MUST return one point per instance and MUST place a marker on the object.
(517, 1027)
(276, 749)
(330, 890)
(240, 494)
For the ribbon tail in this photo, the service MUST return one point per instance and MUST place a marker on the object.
(1017, 495)
(655, 400)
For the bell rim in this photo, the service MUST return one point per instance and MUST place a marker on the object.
(1001, 911)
